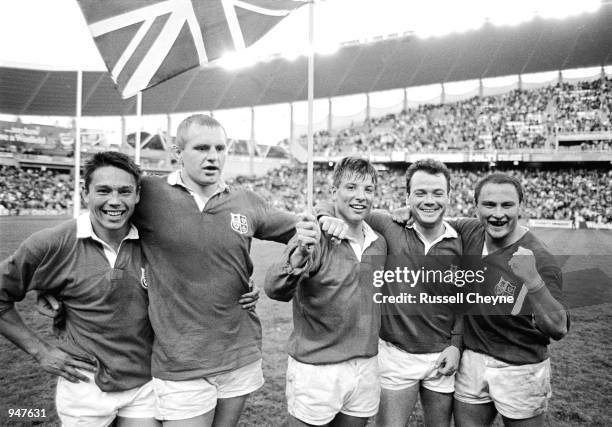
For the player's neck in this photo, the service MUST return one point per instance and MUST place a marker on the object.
(513, 237)
(205, 191)
(355, 231)
(113, 238)
(430, 233)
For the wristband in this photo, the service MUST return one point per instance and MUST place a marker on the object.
(537, 287)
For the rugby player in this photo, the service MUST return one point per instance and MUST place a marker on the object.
(419, 347)
(505, 367)
(332, 370)
(93, 264)
(196, 234)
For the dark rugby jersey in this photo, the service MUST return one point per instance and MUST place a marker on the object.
(105, 307)
(492, 329)
(198, 265)
(334, 315)
(415, 328)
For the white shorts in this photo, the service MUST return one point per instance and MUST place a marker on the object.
(84, 404)
(316, 393)
(181, 400)
(518, 391)
(400, 370)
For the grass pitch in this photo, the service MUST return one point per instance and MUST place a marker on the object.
(582, 366)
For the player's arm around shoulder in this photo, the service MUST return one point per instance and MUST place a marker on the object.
(543, 279)
(380, 220)
(301, 257)
(269, 222)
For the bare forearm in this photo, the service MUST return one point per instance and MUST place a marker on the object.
(13, 328)
(550, 315)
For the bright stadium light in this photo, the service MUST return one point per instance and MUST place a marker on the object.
(327, 48)
(559, 9)
(236, 60)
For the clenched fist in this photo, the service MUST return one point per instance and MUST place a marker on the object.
(523, 264)
(307, 233)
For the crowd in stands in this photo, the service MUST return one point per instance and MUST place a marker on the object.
(23, 190)
(561, 194)
(518, 120)
(549, 194)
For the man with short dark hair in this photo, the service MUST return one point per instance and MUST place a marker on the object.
(419, 347)
(332, 372)
(506, 367)
(93, 264)
(196, 235)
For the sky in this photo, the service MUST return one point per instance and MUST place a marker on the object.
(52, 34)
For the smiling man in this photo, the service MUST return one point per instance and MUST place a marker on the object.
(332, 371)
(419, 345)
(196, 234)
(93, 264)
(506, 367)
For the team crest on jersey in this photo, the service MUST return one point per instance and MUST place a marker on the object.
(504, 287)
(239, 223)
(143, 279)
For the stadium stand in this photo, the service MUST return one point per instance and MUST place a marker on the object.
(25, 190)
(552, 194)
(518, 120)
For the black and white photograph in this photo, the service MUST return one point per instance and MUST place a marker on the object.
(382, 213)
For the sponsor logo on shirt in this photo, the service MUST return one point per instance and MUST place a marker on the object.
(239, 223)
(504, 287)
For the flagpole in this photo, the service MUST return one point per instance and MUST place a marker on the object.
(138, 127)
(76, 196)
(310, 161)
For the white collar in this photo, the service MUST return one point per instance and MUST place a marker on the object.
(85, 230)
(369, 237)
(368, 233)
(449, 233)
(175, 178)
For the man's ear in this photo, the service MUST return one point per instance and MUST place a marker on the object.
(138, 194)
(84, 193)
(176, 151)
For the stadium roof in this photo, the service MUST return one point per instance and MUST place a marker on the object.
(535, 46)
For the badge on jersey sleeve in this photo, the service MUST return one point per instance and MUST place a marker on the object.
(239, 223)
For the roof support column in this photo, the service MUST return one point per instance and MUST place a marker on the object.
(330, 119)
(76, 196)
(169, 143)
(123, 131)
(252, 143)
(291, 126)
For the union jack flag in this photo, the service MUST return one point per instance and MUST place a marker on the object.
(144, 42)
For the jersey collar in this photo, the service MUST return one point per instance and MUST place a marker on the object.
(84, 229)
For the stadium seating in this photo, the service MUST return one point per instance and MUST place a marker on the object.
(518, 120)
(549, 194)
(29, 189)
